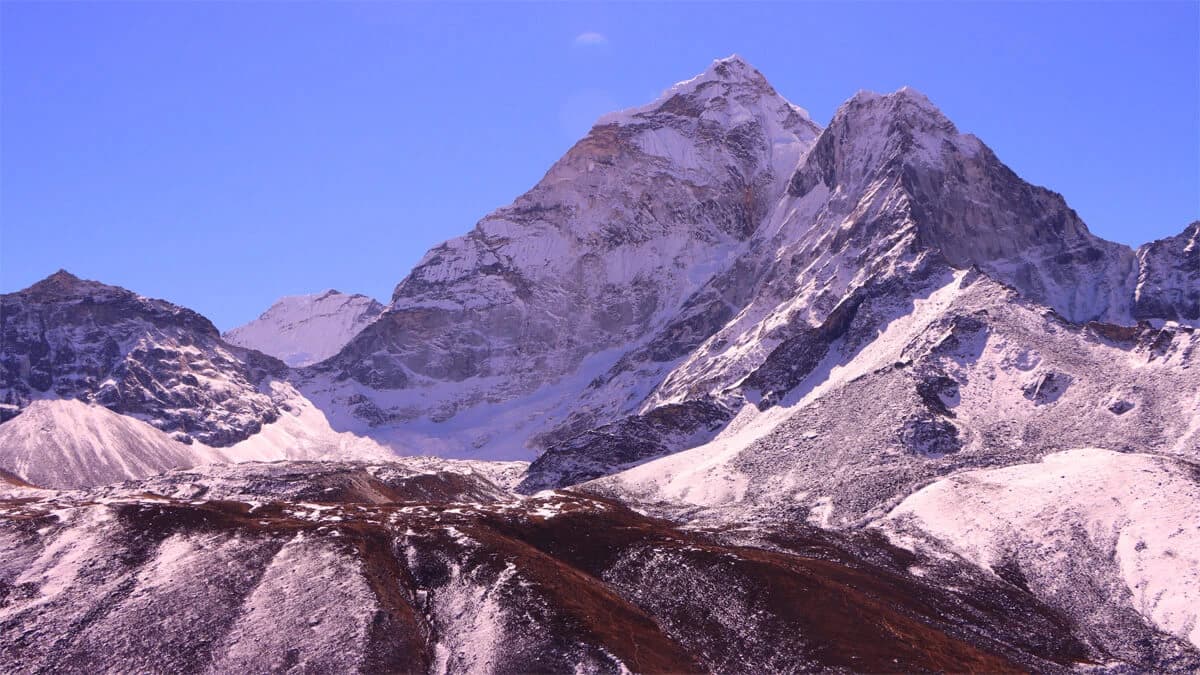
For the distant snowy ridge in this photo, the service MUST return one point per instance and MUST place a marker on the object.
(303, 329)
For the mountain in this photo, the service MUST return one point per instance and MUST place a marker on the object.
(679, 302)
(891, 203)
(518, 316)
(100, 384)
(65, 337)
(753, 365)
(301, 330)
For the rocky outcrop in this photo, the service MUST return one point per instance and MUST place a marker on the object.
(624, 443)
(1168, 283)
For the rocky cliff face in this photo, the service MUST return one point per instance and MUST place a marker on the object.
(301, 330)
(1168, 285)
(66, 337)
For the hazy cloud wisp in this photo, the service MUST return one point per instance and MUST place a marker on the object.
(590, 39)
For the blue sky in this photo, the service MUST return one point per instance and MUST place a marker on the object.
(220, 155)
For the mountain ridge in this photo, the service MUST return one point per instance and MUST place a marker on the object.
(896, 132)
(740, 352)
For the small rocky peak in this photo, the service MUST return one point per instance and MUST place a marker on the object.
(1168, 284)
(1186, 243)
(63, 285)
(61, 279)
(62, 276)
(733, 68)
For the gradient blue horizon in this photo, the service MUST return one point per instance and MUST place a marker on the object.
(220, 155)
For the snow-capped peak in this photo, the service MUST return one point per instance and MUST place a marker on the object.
(904, 125)
(730, 77)
(304, 329)
(906, 94)
(732, 68)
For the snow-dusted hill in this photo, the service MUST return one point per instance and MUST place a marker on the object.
(65, 443)
(303, 329)
(427, 568)
(1106, 536)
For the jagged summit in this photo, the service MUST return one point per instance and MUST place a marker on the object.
(62, 275)
(906, 93)
(872, 133)
(732, 68)
(708, 95)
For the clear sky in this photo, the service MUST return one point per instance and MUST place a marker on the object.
(220, 155)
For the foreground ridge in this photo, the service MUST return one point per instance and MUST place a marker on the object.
(387, 569)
